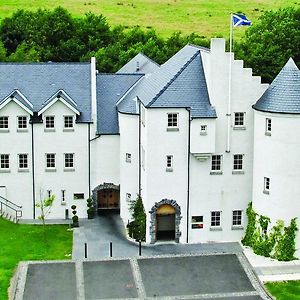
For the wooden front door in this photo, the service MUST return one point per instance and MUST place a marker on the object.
(108, 198)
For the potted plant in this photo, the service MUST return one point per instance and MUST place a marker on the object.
(75, 217)
(91, 209)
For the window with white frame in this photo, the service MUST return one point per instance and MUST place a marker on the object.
(239, 119)
(169, 163)
(238, 162)
(23, 161)
(236, 218)
(203, 129)
(68, 122)
(69, 160)
(197, 222)
(215, 220)
(128, 197)
(268, 126)
(266, 185)
(78, 196)
(216, 163)
(3, 122)
(50, 160)
(49, 122)
(22, 123)
(173, 120)
(128, 157)
(4, 161)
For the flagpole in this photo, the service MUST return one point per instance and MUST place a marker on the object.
(229, 89)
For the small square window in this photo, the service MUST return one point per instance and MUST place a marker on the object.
(216, 164)
(22, 122)
(215, 220)
(49, 122)
(69, 160)
(4, 161)
(173, 120)
(128, 157)
(50, 160)
(268, 126)
(68, 122)
(169, 162)
(3, 122)
(239, 119)
(237, 218)
(203, 129)
(23, 161)
(266, 185)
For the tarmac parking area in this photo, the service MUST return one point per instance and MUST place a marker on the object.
(221, 276)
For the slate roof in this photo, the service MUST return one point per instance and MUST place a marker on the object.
(38, 82)
(110, 88)
(283, 95)
(179, 82)
(141, 64)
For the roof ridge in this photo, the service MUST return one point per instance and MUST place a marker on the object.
(127, 74)
(173, 78)
(149, 58)
(199, 47)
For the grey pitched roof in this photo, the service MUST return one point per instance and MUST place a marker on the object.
(141, 64)
(180, 82)
(110, 88)
(283, 95)
(17, 95)
(40, 81)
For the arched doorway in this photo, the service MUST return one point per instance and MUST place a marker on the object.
(165, 221)
(107, 197)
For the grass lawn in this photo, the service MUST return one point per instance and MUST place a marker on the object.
(207, 18)
(286, 290)
(26, 242)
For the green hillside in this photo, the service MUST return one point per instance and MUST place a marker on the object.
(207, 18)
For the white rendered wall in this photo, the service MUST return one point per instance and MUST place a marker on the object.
(105, 160)
(18, 184)
(277, 157)
(225, 192)
(60, 142)
(129, 143)
(158, 144)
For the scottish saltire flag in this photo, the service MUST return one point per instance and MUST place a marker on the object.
(240, 20)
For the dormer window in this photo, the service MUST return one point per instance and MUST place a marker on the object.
(49, 123)
(22, 123)
(68, 123)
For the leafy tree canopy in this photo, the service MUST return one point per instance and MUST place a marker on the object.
(268, 45)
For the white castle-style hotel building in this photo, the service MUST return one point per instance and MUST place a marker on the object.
(195, 150)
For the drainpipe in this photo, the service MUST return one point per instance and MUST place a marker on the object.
(140, 183)
(32, 167)
(89, 157)
(188, 179)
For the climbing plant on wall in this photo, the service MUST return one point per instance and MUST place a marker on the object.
(278, 242)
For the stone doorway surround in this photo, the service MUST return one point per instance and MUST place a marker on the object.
(103, 186)
(153, 220)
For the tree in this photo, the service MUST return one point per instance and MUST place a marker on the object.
(45, 206)
(268, 45)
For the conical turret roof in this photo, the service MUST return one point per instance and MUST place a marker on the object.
(283, 95)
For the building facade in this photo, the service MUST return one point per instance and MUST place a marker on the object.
(182, 135)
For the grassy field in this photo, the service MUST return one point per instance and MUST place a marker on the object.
(287, 290)
(26, 242)
(205, 17)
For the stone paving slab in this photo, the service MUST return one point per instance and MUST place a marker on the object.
(109, 279)
(193, 275)
(49, 281)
